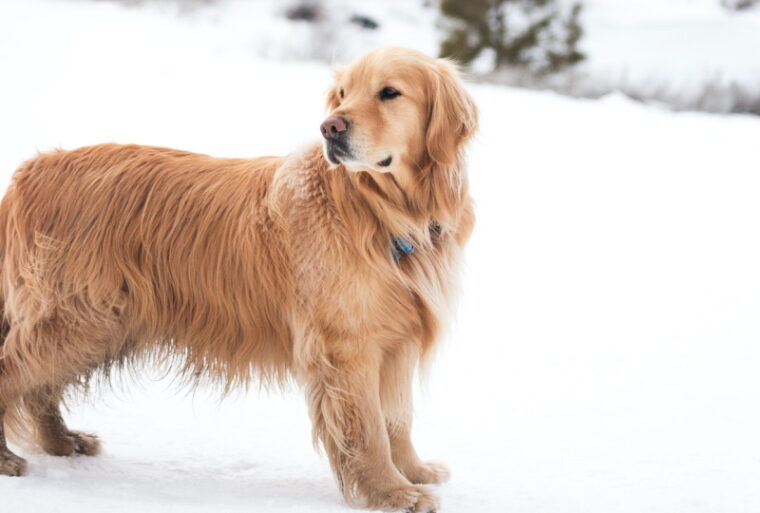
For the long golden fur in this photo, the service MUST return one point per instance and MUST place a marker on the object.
(243, 269)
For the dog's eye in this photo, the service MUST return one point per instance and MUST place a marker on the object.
(342, 94)
(388, 93)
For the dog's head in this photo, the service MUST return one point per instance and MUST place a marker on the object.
(396, 110)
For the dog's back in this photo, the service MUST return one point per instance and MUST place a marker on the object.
(108, 247)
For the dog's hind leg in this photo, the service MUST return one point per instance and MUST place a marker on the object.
(39, 361)
(51, 432)
(10, 464)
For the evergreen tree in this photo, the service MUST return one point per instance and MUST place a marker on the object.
(539, 35)
(739, 5)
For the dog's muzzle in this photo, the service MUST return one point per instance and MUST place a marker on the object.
(335, 131)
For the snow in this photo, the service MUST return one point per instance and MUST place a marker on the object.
(678, 44)
(605, 356)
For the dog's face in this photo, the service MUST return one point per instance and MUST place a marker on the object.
(394, 110)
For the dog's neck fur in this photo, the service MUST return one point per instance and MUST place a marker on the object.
(437, 196)
(360, 215)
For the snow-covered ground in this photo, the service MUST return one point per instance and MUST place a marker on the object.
(606, 353)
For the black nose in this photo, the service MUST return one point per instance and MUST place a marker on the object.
(333, 127)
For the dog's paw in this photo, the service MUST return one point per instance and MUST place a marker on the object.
(429, 472)
(85, 443)
(426, 503)
(409, 499)
(73, 442)
(11, 465)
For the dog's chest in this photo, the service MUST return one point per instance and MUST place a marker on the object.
(354, 279)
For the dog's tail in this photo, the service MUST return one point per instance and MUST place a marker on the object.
(4, 322)
(9, 415)
(12, 412)
(7, 412)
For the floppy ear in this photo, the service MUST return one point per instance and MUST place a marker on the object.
(453, 114)
(333, 95)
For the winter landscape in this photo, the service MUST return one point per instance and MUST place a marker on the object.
(606, 351)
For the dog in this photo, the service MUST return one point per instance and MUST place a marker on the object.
(335, 267)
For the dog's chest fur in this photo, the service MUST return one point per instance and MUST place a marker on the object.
(344, 272)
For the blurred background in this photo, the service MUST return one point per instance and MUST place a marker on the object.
(686, 54)
(606, 351)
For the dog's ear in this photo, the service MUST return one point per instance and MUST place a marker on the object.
(333, 95)
(453, 117)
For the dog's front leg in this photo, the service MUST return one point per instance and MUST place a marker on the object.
(396, 375)
(344, 400)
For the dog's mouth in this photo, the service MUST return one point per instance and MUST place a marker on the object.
(337, 152)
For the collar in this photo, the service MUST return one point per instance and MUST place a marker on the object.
(402, 246)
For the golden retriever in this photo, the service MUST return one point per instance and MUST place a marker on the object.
(334, 266)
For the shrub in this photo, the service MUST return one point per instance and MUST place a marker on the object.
(539, 35)
(739, 5)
